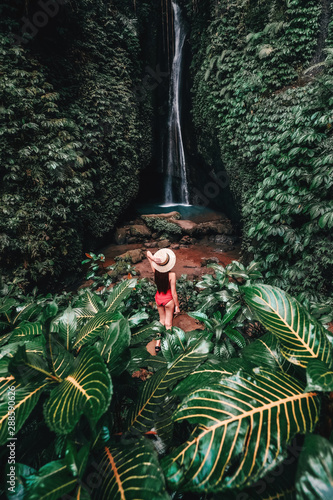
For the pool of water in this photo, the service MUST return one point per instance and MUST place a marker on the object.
(188, 212)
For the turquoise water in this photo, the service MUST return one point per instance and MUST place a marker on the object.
(188, 212)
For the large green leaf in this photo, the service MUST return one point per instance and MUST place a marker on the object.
(87, 390)
(113, 345)
(173, 343)
(95, 327)
(302, 338)
(210, 372)
(29, 367)
(26, 331)
(242, 427)
(66, 326)
(265, 352)
(52, 481)
(119, 293)
(24, 399)
(319, 377)
(145, 332)
(314, 478)
(148, 406)
(130, 472)
(60, 360)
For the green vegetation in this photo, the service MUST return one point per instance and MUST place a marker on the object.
(163, 227)
(74, 133)
(262, 89)
(232, 409)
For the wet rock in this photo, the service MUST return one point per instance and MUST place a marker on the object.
(186, 240)
(170, 215)
(163, 244)
(151, 244)
(140, 231)
(120, 236)
(187, 226)
(132, 256)
(209, 260)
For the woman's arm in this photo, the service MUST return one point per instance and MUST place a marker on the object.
(152, 259)
(174, 292)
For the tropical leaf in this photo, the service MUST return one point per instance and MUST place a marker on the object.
(35, 346)
(243, 425)
(113, 345)
(51, 482)
(265, 352)
(6, 305)
(173, 343)
(119, 293)
(66, 326)
(319, 377)
(130, 472)
(95, 327)
(25, 313)
(87, 390)
(60, 360)
(147, 331)
(138, 318)
(314, 477)
(301, 337)
(148, 406)
(28, 367)
(26, 331)
(25, 399)
(212, 371)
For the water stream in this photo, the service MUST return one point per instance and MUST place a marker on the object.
(176, 162)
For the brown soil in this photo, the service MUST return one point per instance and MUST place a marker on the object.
(188, 258)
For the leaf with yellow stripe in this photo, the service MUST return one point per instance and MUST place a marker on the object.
(119, 293)
(86, 390)
(95, 326)
(26, 331)
(153, 393)
(51, 482)
(130, 472)
(24, 400)
(242, 428)
(301, 337)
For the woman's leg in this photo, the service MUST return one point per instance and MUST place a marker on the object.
(161, 312)
(169, 310)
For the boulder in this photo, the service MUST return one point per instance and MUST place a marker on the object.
(170, 215)
(187, 226)
(186, 240)
(209, 260)
(120, 236)
(133, 256)
(163, 244)
(151, 244)
(140, 231)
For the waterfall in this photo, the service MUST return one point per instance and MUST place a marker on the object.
(176, 163)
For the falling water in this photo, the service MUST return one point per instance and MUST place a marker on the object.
(176, 164)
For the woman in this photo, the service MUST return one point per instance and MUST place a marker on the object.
(166, 296)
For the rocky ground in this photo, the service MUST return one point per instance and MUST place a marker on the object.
(195, 245)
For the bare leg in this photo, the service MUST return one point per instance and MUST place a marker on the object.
(161, 312)
(169, 310)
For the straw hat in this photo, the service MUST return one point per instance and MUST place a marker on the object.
(168, 260)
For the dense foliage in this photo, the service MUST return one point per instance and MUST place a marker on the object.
(75, 130)
(96, 416)
(262, 96)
